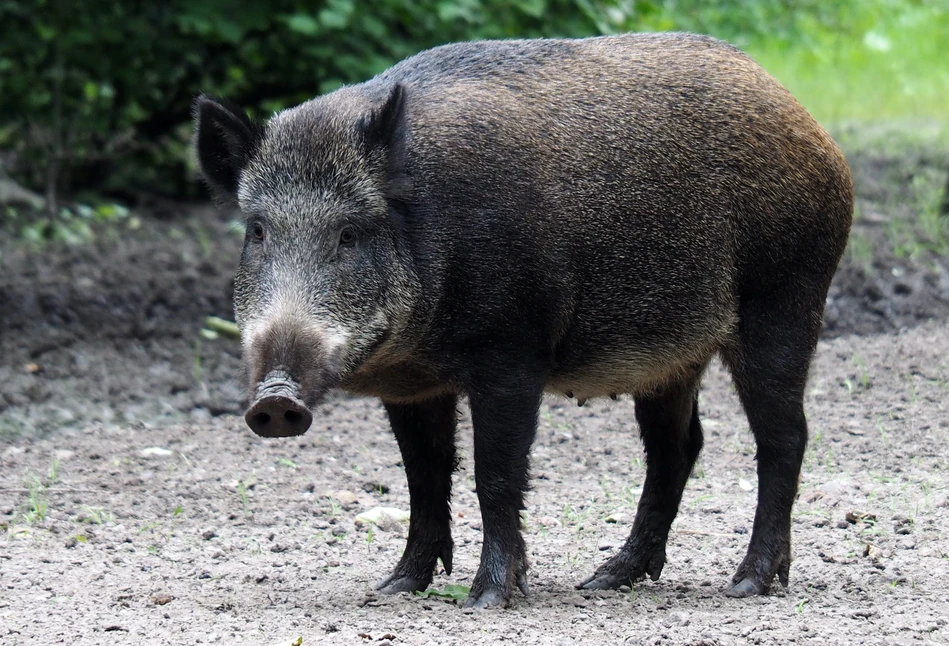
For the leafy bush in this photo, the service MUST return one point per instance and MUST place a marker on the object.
(99, 96)
(95, 96)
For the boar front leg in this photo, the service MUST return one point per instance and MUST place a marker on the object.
(505, 423)
(426, 436)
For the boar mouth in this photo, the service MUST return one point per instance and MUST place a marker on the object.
(278, 410)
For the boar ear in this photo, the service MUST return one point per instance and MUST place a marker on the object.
(379, 126)
(225, 139)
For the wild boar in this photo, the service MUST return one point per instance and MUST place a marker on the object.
(497, 220)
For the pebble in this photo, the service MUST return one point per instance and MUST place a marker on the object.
(575, 600)
(155, 452)
(345, 497)
(679, 619)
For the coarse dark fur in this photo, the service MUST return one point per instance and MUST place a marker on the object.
(497, 219)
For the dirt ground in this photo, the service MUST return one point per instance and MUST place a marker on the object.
(136, 507)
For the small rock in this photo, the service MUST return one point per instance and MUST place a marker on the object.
(576, 600)
(616, 517)
(834, 486)
(208, 534)
(853, 427)
(345, 497)
(625, 589)
(872, 552)
(745, 485)
(155, 452)
(382, 517)
(902, 525)
(813, 495)
(71, 542)
(375, 487)
(604, 546)
(680, 618)
(853, 517)
(842, 524)
(161, 599)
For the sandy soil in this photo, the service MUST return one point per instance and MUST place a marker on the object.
(136, 508)
(233, 539)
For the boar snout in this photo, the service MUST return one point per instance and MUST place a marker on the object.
(278, 410)
(291, 366)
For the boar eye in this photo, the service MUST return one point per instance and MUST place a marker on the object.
(347, 237)
(257, 230)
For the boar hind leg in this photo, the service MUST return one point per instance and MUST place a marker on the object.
(426, 436)
(769, 366)
(672, 435)
(505, 422)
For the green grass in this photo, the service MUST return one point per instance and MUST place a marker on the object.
(96, 515)
(888, 61)
(37, 506)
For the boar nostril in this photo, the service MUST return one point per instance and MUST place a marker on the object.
(278, 416)
(262, 419)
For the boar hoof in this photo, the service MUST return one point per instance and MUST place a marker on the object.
(604, 581)
(489, 598)
(626, 568)
(522, 584)
(395, 583)
(747, 587)
(755, 575)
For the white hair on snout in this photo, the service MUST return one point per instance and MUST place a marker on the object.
(292, 310)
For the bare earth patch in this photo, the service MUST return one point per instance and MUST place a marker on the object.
(137, 508)
(223, 537)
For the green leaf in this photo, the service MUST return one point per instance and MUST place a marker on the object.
(535, 8)
(229, 31)
(451, 591)
(45, 32)
(303, 24)
(337, 15)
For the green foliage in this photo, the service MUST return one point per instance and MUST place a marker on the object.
(96, 96)
(99, 93)
(870, 60)
(451, 591)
